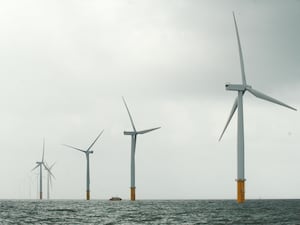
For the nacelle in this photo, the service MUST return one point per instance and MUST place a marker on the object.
(129, 132)
(235, 87)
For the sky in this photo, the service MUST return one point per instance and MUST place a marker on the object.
(65, 65)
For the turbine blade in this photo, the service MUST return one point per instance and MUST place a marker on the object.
(129, 114)
(46, 164)
(43, 150)
(78, 149)
(235, 104)
(240, 52)
(48, 169)
(146, 131)
(35, 167)
(268, 98)
(52, 175)
(95, 140)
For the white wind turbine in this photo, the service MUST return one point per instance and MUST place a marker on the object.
(238, 104)
(49, 179)
(87, 154)
(41, 164)
(133, 135)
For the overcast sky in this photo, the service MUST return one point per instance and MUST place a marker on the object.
(64, 66)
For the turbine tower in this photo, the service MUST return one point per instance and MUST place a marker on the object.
(133, 135)
(238, 104)
(41, 164)
(49, 180)
(87, 154)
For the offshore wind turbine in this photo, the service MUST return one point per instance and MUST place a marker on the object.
(41, 164)
(238, 104)
(49, 180)
(133, 135)
(87, 153)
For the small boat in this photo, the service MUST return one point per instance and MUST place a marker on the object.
(115, 199)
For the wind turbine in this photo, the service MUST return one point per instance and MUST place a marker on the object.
(41, 164)
(87, 154)
(133, 134)
(49, 180)
(238, 104)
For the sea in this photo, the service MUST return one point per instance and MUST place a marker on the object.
(150, 212)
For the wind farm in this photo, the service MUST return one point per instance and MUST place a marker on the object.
(179, 126)
(153, 112)
(241, 89)
(64, 75)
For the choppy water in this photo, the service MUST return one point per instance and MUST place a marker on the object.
(150, 212)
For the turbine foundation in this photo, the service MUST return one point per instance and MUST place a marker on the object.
(132, 193)
(41, 195)
(240, 191)
(87, 195)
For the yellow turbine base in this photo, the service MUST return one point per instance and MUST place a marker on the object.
(88, 195)
(41, 195)
(132, 193)
(240, 191)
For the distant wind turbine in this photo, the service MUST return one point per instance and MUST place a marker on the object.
(134, 134)
(41, 164)
(87, 154)
(49, 179)
(238, 104)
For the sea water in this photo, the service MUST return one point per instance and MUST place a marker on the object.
(150, 212)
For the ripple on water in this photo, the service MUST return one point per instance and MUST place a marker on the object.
(150, 212)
